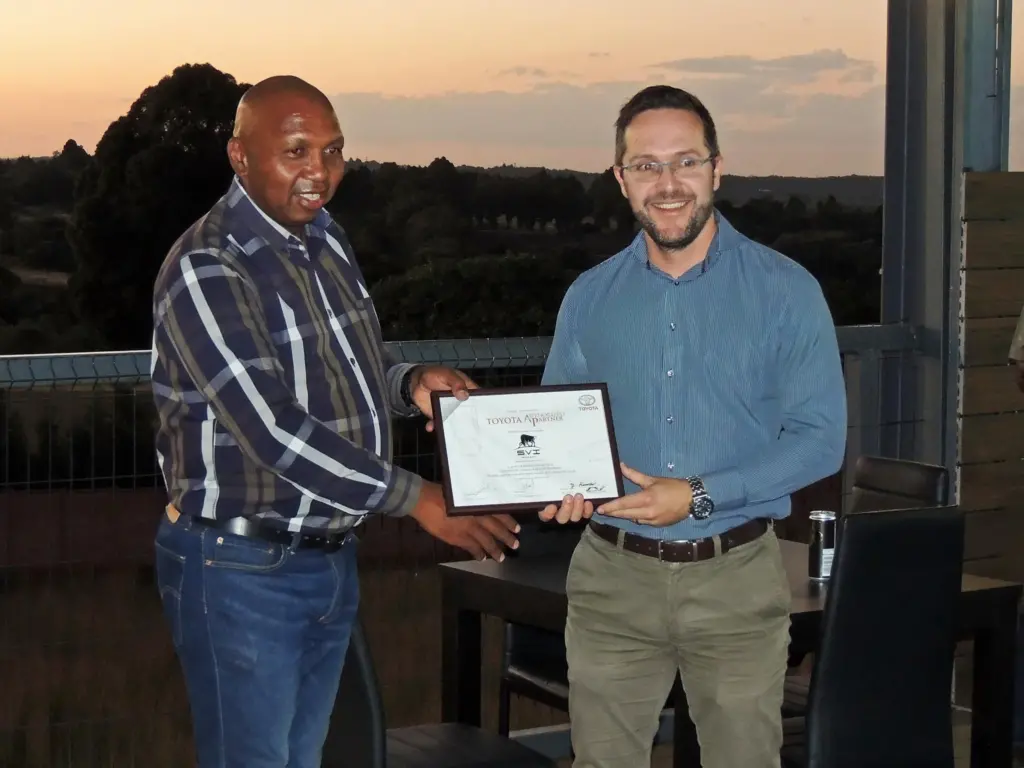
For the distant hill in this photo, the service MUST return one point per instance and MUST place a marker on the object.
(854, 191)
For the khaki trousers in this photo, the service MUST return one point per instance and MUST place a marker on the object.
(632, 621)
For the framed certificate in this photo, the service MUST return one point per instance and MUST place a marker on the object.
(521, 448)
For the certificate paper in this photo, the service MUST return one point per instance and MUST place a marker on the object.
(507, 450)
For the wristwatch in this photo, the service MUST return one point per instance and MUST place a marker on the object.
(701, 506)
(404, 390)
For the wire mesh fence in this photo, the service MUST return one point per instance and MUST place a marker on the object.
(89, 677)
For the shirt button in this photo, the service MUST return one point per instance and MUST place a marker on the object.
(671, 326)
(671, 466)
(669, 419)
(671, 373)
(352, 360)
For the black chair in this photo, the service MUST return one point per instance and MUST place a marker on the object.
(879, 692)
(884, 483)
(878, 483)
(359, 738)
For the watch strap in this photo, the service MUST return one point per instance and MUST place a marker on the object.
(404, 390)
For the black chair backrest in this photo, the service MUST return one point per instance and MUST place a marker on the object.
(880, 688)
(884, 483)
(358, 732)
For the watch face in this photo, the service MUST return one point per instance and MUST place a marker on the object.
(701, 507)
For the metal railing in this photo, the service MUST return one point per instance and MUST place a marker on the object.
(89, 676)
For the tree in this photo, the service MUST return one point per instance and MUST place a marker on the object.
(72, 157)
(515, 295)
(157, 169)
(607, 204)
(10, 288)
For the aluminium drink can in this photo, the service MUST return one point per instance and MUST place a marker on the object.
(823, 544)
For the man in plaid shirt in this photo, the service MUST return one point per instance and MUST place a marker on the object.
(275, 395)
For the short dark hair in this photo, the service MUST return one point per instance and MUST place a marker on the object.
(663, 97)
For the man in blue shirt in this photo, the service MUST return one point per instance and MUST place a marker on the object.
(727, 395)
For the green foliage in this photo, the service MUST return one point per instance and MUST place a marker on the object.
(40, 242)
(436, 243)
(514, 295)
(156, 170)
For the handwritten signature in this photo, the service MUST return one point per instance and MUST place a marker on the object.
(586, 487)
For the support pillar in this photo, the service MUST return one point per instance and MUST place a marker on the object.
(947, 99)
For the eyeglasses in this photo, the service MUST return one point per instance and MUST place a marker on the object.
(650, 170)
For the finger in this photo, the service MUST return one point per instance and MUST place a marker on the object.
(487, 542)
(636, 476)
(548, 513)
(564, 511)
(430, 426)
(639, 514)
(572, 508)
(469, 542)
(582, 510)
(509, 522)
(459, 383)
(470, 384)
(625, 503)
(500, 531)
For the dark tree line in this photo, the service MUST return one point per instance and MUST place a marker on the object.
(448, 252)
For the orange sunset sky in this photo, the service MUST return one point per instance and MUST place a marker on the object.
(795, 85)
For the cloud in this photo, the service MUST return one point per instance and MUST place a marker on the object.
(524, 72)
(535, 73)
(787, 70)
(774, 115)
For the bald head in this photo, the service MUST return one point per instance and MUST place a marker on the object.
(286, 149)
(270, 96)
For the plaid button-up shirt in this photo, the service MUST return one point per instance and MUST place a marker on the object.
(270, 376)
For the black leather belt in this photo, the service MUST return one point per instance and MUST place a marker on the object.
(241, 526)
(689, 551)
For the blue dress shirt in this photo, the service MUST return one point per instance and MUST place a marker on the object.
(731, 373)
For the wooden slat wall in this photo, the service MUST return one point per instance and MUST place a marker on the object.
(991, 407)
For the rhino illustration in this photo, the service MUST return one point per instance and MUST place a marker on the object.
(527, 441)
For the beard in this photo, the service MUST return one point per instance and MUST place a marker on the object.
(699, 217)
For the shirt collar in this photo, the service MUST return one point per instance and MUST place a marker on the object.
(725, 239)
(242, 202)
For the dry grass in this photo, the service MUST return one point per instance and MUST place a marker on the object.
(90, 680)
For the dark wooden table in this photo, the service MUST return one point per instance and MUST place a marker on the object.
(531, 591)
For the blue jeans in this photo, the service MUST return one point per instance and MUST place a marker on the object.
(261, 632)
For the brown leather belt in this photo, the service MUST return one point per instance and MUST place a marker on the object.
(689, 551)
